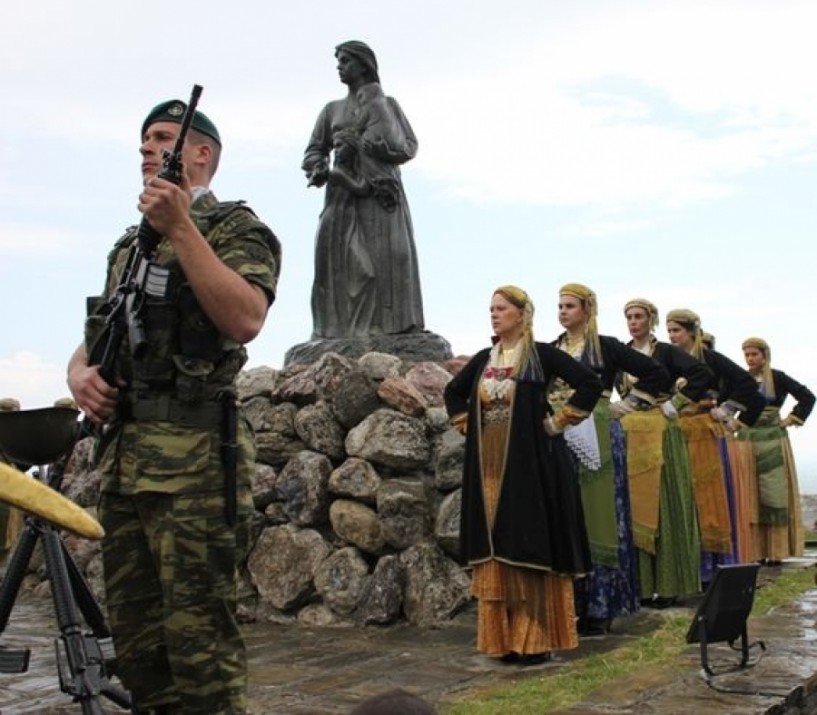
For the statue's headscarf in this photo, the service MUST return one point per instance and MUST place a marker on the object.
(691, 321)
(767, 379)
(528, 368)
(647, 306)
(591, 331)
(363, 54)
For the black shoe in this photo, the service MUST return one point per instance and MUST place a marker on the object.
(535, 658)
(660, 602)
(511, 657)
(593, 626)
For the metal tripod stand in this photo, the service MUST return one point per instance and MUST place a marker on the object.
(47, 437)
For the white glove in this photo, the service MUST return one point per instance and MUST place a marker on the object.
(733, 424)
(720, 413)
(620, 408)
(790, 421)
(669, 410)
(550, 427)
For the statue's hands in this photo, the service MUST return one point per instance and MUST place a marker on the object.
(378, 148)
(318, 175)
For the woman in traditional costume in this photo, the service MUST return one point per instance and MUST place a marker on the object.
(665, 524)
(522, 528)
(779, 518)
(731, 401)
(611, 589)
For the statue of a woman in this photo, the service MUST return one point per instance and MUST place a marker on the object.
(366, 277)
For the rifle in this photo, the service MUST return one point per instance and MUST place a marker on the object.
(141, 277)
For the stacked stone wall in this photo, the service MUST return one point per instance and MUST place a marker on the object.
(356, 490)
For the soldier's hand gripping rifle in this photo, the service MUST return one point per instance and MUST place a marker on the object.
(140, 277)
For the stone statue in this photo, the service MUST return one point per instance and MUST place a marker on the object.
(367, 281)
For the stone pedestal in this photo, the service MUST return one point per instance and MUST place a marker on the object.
(411, 347)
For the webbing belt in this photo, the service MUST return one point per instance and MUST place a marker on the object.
(167, 408)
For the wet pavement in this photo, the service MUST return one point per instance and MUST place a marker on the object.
(321, 671)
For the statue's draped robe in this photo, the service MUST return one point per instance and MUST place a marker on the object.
(366, 276)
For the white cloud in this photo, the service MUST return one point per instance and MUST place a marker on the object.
(27, 240)
(32, 380)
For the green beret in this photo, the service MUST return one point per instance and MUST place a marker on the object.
(173, 111)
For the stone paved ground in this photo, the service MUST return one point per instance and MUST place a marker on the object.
(300, 671)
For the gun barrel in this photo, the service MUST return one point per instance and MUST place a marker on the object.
(187, 119)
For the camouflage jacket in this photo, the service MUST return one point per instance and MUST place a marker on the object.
(166, 436)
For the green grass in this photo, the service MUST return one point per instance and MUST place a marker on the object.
(662, 648)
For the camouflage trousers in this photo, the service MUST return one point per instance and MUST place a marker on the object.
(170, 565)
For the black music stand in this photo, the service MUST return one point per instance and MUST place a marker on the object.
(46, 437)
(722, 614)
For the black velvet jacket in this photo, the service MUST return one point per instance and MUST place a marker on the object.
(539, 521)
(618, 357)
(731, 382)
(679, 364)
(785, 386)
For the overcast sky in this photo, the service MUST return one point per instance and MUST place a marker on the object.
(657, 149)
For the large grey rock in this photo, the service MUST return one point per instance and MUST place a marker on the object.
(319, 430)
(389, 438)
(355, 478)
(283, 564)
(256, 381)
(448, 463)
(341, 579)
(437, 420)
(355, 398)
(264, 486)
(403, 512)
(382, 602)
(317, 381)
(379, 366)
(302, 488)
(399, 394)
(436, 587)
(278, 441)
(357, 524)
(430, 379)
(258, 411)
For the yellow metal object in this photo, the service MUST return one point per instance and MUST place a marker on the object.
(31, 495)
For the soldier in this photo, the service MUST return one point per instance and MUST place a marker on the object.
(11, 519)
(172, 544)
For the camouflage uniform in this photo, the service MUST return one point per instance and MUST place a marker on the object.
(170, 556)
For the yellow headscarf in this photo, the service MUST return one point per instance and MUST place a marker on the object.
(692, 322)
(528, 367)
(649, 307)
(591, 331)
(767, 379)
